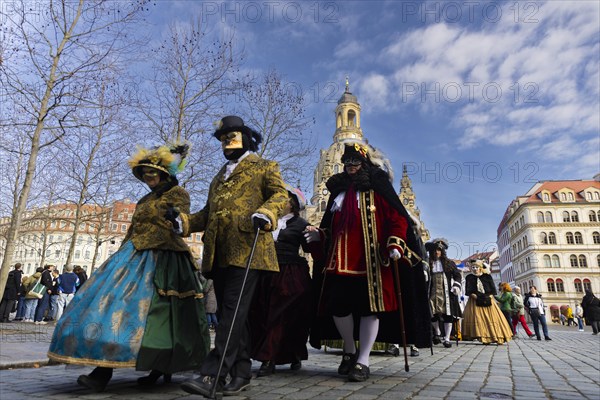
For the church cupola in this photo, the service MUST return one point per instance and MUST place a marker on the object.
(347, 117)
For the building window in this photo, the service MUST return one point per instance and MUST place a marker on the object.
(566, 216)
(323, 206)
(593, 217)
(552, 238)
(543, 238)
(570, 195)
(573, 261)
(563, 197)
(596, 195)
(578, 238)
(596, 237)
(582, 261)
(77, 254)
(574, 216)
(548, 216)
(578, 286)
(87, 254)
(588, 195)
(555, 261)
(114, 227)
(546, 197)
(551, 287)
(528, 263)
(525, 243)
(547, 262)
(540, 217)
(598, 260)
(587, 285)
(519, 246)
(56, 253)
(570, 239)
(123, 228)
(560, 286)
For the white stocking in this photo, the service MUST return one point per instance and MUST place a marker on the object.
(436, 328)
(448, 329)
(369, 326)
(345, 326)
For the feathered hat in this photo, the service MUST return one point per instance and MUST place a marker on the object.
(438, 243)
(170, 159)
(298, 195)
(354, 149)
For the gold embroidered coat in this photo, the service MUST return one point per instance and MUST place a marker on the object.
(255, 186)
(149, 229)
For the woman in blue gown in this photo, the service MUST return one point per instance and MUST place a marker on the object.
(143, 307)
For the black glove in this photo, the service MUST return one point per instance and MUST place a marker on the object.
(171, 215)
(259, 223)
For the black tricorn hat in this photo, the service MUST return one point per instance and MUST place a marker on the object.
(355, 151)
(435, 244)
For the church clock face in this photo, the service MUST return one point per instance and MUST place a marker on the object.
(324, 191)
(406, 202)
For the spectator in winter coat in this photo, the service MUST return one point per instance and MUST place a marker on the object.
(12, 291)
(67, 285)
(591, 310)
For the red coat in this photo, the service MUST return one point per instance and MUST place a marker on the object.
(351, 244)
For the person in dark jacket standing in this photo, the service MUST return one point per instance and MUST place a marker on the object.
(81, 274)
(44, 303)
(12, 291)
(280, 316)
(591, 310)
(445, 288)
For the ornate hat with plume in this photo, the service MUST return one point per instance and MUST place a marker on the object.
(437, 243)
(170, 159)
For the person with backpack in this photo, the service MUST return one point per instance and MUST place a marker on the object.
(12, 291)
(505, 299)
(591, 310)
(31, 299)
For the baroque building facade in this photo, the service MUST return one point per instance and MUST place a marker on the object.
(550, 238)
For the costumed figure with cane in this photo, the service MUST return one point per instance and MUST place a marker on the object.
(245, 200)
(483, 319)
(143, 307)
(364, 230)
(444, 291)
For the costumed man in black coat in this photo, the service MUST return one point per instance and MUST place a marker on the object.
(444, 290)
(364, 230)
(12, 291)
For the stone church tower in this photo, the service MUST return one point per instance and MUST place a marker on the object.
(347, 126)
(408, 198)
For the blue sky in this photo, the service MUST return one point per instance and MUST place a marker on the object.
(480, 99)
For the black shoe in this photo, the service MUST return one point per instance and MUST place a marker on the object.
(202, 386)
(266, 368)
(436, 340)
(547, 338)
(393, 350)
(532, 335)
(97, 379)
(348, 360)
(359, 373)
(447, 344)
(235, 386)
(296, 365)
(151, 379)
(414, 352)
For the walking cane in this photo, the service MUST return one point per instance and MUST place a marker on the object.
(237, 306)
(401, 309)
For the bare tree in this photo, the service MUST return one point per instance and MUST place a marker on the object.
(277, 109)
(47, 69)
(191, 82)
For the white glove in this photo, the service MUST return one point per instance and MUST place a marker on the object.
(395, 254)
(455, 291)
(312, 236)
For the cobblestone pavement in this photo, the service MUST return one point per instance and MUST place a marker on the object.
(565, 368)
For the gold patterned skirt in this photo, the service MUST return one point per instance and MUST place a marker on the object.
(485, 324)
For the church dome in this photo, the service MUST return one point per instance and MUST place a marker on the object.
(348, 97)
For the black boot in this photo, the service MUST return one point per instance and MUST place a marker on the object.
(97, 379)
(267, 368)
(151, 379)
